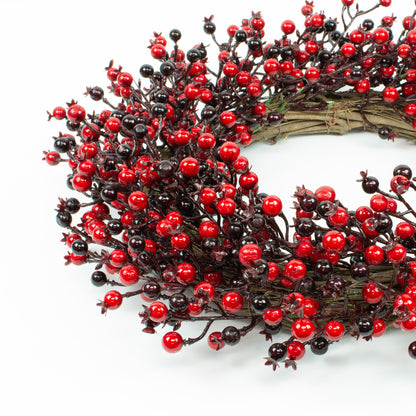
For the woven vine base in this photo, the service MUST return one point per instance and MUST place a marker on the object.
(336, 115)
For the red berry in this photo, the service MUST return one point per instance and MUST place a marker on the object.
(272, 205)
(232, 302)
(380, 35)
(230, 69)
(390, 95)
(113, 125)
(333, 241)
(357, 37)
(288, 27)
(59, 113)
(397, 254)
(207, 196)
(52, 158)
(379, 327)
(348, 49)
(311, 307)
(409, 325)
(189, 167)
(363, 213)
(129, 275)
(371, 293)
(81, 183)
(228, 119)
(226, 207)
(303, 329)
(180, 241)
(271, 66)
(378, 203)
(124, 79)
(76, 113)
(158, 312)
(118, 258)
(204, 290)
(172, 342)
(229, 152)
(215, 342)
(334, 330)
(295, 350)
(317, 20)
(340, 218)
(113, 299)
(158, 51)
(374, 255)
(273, 273)
(249, 253)
(295, 270)
(138, 201)
(209, 229)
(192, 92)
(399, 184)
(273, 316)
(325, 193)
(182, 137)
(404, 230)
(404, 300)
(185, 273)
(362, 86)
(206, 141)
(312, 74)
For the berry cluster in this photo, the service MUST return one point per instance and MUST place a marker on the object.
(173, 210)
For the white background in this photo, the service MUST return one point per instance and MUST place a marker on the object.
(58, 355)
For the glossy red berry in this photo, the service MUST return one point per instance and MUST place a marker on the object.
(378, 203)
(325, 193)
(249, 253)
(295, 270)
(172, 342)
(215, 342)
(76, 113)
(189, 167)
(209, 229)
(334, 330)
(81, 183)
(371, 293)
(303, 329)
(295, 350)
(397, 254)
(226, 207)
(232, 302)
(390, 95)
(205, 291)
(228, 119)
(404, 230)
(374, 255)
(158, 312)
(229, 152)
(129, 275)
(333, 241)
(138, 201)
(113, 299)
(379, 327)
(288, 27)
(185, 273)
(380, 35)
(273, 316)
(272, 205)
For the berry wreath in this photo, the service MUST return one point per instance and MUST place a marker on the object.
(173, 211)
